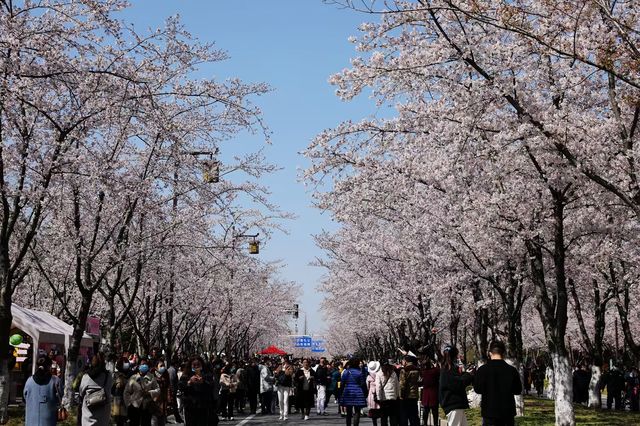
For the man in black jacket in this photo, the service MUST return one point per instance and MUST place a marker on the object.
(497, 382)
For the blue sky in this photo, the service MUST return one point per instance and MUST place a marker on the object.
(294, 46)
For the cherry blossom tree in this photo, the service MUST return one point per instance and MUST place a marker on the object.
(508, 131)
(101, 180)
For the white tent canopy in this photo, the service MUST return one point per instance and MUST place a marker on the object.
(44, 328)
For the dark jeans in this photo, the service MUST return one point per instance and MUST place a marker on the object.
(434, 413)
(389, 411)
(328, 396)
(138, 417)
(240, 400)
(252, 396)
(616, 396)
(409, 415)
(353, 413)
(492, 421)
(265, 402)
(226, 403)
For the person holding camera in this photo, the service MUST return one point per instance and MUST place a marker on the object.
(497, 382)
(452, 388)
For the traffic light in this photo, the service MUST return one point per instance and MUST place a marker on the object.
(295, 311)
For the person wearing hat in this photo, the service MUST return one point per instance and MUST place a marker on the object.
(373, 367)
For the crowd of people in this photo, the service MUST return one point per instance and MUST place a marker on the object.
(622, 384)
(200, 391)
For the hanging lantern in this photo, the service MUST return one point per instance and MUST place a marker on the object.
(211, 171)
(15, 339)
(254, 247)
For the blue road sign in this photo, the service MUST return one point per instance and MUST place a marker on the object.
(302, 342)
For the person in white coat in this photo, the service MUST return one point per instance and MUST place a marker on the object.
(266, 387)
(388, 391)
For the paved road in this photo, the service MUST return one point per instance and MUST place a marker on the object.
(333, 419)
(294, 420)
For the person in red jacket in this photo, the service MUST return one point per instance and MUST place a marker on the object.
(430, 382)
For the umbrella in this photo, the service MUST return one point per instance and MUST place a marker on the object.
(272, 350)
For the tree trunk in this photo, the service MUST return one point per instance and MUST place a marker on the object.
(5, 379)
(73, 351)
(480, 323)
(514, 362)
(563, 378)
(595, 397)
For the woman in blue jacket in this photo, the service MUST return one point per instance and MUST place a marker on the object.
(42, 395)
(353, 395)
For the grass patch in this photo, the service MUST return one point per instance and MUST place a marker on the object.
(16, 417)
(540, 412)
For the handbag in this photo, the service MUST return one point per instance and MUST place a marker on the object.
(63, 414)
(97, 397)
(374, 413)
(117, 407)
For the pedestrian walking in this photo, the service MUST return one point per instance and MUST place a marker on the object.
(284, 383)
(228, 386)
(497, 382)
(633, 389)
(95, 391)
(323, 380)
(267, 380)
(409, 383)
(42, 395)
(242, 380)
(353, 391)
(198, 395)
(174, 403)
(332, 386)
(430, 384)
(120, 378)
(452, 391)
(388, 388)
(139, 394)
(253, 385)
(163, 398)
(305, 388)
(581, 380)
(373, 367)
(614, 381)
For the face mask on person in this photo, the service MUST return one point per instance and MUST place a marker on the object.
(144, 368)
(162, 370)
(125, 366)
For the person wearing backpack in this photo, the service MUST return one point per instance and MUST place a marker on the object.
(284, 383)
(95, 392)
